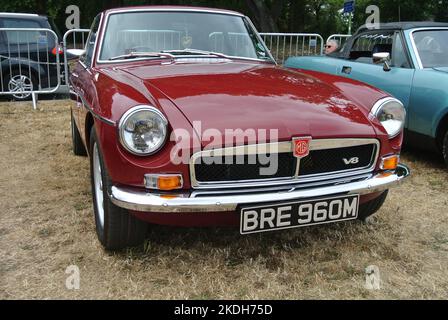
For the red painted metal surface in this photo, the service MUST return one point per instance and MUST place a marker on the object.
(225, 95)
(237, 95)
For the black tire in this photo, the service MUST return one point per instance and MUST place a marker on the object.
(370, 208)
(78, 147)
(16, 72)
(119, 228)
(445, 148)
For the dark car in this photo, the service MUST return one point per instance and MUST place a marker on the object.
(28, 58)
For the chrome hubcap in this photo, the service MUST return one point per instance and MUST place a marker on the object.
(98, 185)
(21, 85)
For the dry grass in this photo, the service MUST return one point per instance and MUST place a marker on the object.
(47, 225)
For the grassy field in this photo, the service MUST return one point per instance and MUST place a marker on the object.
(46, 224)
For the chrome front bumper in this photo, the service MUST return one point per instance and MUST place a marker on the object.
(143, 201)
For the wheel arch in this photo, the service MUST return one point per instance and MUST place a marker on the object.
(90, 122)
(442, 127)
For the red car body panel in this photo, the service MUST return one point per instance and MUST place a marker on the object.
(318, 105)
(244, 94)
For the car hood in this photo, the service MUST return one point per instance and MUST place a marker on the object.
(246, 96)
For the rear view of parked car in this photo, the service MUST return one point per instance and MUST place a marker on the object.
(410, 61)
(27, 55)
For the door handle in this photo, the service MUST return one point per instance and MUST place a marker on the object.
(75, 75)
(346, 70)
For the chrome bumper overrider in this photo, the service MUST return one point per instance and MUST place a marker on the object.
(139, 200)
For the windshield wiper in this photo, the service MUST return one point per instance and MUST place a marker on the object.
(196, 52)
(134, 55)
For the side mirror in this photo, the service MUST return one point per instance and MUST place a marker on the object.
(75, 53)
(384, 58)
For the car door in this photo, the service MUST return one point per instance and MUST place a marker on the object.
(429, 97)
(83, 78)
(359, 64)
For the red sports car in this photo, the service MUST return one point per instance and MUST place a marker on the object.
(188, 121)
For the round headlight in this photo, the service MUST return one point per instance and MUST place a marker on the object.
(392, 115)
(143, 130)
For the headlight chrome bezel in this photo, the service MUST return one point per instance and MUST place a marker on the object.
(378, 107)
(131, 112)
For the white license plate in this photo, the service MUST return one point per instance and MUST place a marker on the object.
(297, 214)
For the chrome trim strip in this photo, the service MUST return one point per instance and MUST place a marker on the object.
(143, 201)
(226, 12)
(414, 46)
(84, 66)
(97, 116)
(281, 188)
(282, 147)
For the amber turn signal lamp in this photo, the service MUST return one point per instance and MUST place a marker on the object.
(165, 182)
(390, 162)
(169, 182)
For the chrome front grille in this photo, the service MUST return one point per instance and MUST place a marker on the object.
(328, 159)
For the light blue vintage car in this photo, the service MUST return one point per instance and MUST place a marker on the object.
(410, 61)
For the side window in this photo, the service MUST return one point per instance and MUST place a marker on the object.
(23, 37)
(90, 45)
(367, 44)
(399, 56)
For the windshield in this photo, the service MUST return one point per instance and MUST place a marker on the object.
(177, 32)
(432, 46)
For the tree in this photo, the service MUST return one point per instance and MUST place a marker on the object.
(263, 17)
(41, 6)
(316, 16)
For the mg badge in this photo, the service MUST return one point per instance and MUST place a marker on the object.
(301, 147)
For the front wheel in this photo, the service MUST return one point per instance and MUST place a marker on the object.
(115, 227)
(371, 207)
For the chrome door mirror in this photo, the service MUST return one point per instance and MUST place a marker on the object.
(384, 58)
(75, 53)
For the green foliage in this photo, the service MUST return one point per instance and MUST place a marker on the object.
(319, 16)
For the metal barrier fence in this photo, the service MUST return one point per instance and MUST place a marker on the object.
(30, 63)
(73, 39)
(341, 39)
(285, 45)
(30, 58)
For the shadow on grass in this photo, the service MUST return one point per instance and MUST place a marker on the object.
(423, 157)
(226, 244)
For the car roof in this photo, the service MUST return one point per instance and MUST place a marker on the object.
(173, 8)
(406, 25)
(23, 15)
